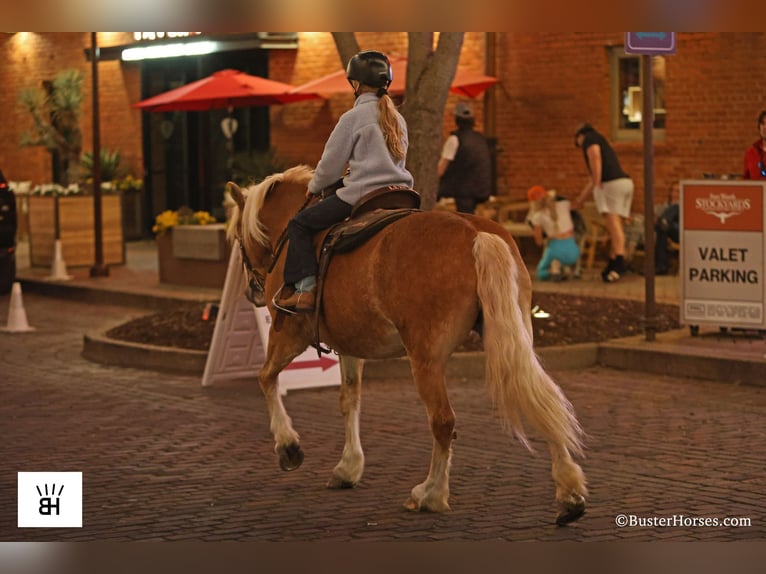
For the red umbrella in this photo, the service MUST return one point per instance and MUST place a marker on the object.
(224, 89)
(465, 83)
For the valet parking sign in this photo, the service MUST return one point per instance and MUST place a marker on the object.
(722, 253)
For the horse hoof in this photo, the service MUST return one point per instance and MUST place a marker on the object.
(336, 482)
(290, 457)
(415, 506)
(570, 510)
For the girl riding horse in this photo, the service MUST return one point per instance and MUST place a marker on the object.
(371, 139)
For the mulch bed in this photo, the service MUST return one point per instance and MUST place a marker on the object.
(573, 319)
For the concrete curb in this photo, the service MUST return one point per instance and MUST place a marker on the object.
(468, 365)
(681, 360)
(632, 354)
(101, 295)
(99, 348)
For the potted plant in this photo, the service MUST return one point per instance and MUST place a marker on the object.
(63, 209)
(66, 213)
(192, 248)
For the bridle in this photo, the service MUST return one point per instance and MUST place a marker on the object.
(257, 282)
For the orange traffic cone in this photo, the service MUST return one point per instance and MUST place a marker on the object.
(17, 316)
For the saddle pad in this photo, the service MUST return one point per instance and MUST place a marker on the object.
(348, 235)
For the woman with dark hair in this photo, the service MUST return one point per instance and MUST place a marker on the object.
(371, 140)
(754, 162)
(612, 191)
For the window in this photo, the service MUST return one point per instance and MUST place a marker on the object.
(626, 98)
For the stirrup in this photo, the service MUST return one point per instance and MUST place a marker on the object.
(279, 307)
(321, 349)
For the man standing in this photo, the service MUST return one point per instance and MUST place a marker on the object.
(612, 191)
(465, 167)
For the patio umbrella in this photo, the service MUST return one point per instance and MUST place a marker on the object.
(224, 89)
(465, 83)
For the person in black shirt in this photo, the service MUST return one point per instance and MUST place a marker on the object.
(612, 190)
(465, 168)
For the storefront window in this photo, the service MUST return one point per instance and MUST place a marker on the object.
(627, 100)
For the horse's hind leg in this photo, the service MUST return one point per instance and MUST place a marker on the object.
(281, 351)
(433, 494)
(348, 472)
(570, 485)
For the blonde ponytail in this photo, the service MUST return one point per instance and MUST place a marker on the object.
(392, 130)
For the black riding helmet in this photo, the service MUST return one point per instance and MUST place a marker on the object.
(370, 68)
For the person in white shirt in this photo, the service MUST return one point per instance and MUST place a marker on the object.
(553, 228)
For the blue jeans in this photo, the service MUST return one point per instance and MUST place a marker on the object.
(301, 259)
(565, 250)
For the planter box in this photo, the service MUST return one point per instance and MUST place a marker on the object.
(194, 255)
(75, 221)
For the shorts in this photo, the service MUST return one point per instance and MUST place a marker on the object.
(614, 196)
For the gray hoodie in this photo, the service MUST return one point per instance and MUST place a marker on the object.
(357, 141)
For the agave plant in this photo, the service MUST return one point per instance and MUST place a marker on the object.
(110, 165)
(55, 111)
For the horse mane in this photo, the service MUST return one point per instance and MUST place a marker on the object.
(252, 227)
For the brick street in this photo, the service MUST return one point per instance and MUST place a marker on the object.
(164, 459)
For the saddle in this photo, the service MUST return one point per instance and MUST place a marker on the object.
(377, 210)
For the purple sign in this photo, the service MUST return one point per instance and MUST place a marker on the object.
(650, 43)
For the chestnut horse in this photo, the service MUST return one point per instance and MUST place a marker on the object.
(416, 288)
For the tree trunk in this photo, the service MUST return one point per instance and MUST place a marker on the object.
(347, 46)
(429, 76)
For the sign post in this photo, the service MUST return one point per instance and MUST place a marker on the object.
(722, 253)
(648, 44)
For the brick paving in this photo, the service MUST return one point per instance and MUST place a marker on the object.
(164, 459)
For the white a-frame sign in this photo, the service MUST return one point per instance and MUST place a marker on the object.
(241, 335)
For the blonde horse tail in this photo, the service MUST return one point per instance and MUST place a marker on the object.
(519, 386)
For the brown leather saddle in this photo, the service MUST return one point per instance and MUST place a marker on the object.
(374, 212)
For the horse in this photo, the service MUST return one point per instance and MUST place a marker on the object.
(416, 288)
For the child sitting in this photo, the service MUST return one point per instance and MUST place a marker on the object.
(550, 218)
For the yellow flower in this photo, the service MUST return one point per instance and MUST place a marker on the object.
(169, 218)
(203, 218)
(165, 220)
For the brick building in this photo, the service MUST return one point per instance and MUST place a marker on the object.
(707, 99)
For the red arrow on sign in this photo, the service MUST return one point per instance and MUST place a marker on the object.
(324, 362)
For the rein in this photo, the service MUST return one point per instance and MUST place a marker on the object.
(257, 282)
